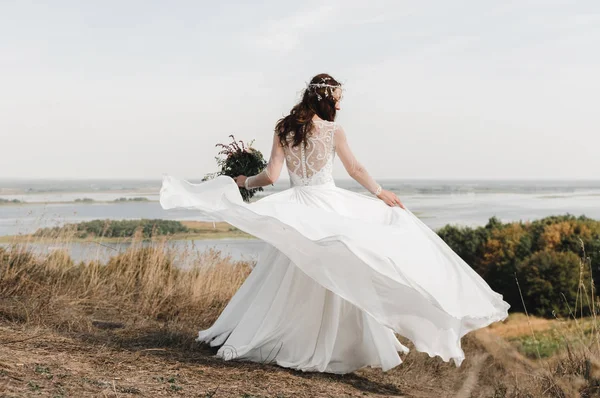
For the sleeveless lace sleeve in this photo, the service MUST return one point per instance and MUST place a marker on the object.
(356, 170)
(271, 173)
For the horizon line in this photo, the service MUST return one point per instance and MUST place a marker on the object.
(338, 179)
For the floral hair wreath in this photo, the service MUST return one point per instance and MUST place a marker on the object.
(328, 92)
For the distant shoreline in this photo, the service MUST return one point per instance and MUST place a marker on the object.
(81, 202)
(179, 237)
(10, 191)
(205, 231)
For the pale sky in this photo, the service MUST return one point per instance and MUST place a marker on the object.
(433, 89)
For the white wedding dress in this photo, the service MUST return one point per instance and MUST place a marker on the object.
(342, 271)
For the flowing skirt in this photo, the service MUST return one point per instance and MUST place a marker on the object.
(342, 272)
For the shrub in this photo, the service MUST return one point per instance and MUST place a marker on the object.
(550, 281)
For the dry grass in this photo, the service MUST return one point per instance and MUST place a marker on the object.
(141, 282)
(128, 328)
(520, 325)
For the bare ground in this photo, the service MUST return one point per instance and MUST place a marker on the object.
(112, 361)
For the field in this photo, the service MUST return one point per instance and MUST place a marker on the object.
(127, 329)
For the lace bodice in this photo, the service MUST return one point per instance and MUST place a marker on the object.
(312, 163)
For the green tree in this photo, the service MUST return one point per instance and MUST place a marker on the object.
(549, 282)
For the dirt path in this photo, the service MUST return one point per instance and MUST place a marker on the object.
(43, 363)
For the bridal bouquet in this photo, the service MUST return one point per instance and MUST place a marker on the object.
(237, 159)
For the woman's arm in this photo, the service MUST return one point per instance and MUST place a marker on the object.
(271, 173)
(358, 172)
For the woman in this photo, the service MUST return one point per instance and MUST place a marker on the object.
(342, 272)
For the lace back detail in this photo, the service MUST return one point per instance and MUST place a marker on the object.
(312, 164)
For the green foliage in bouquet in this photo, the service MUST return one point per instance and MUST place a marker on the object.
(236, 159)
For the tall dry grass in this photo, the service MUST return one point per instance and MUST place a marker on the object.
(142, 285)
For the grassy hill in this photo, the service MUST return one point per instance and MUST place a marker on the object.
(127, 329)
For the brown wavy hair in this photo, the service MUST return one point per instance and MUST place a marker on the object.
(299, 122)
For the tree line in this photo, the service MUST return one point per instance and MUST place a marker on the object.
(549, 260)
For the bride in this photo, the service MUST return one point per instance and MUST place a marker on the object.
(342, 272)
